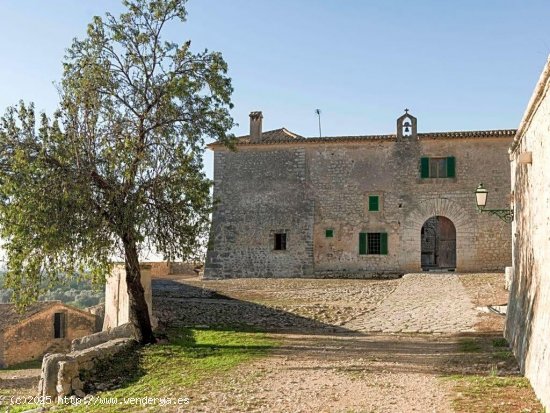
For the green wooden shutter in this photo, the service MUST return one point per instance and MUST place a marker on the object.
(451, 167)
(424, 167)
(362, 243)
(373, 203)
(329, 233)
(383, 243)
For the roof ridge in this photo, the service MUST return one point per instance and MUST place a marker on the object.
(393, 135)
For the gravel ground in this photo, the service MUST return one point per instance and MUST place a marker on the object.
(335, 356)
(335, 374)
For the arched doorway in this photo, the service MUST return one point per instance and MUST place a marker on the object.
(438, 244)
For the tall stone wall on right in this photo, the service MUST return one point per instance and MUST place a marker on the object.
(528, 319)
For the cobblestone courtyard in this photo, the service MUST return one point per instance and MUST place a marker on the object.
(347, 345)
(417, 303)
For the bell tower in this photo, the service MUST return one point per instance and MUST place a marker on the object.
(406, 126)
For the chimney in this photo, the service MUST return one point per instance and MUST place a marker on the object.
(255, 126)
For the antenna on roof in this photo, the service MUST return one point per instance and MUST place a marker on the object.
(318, 112)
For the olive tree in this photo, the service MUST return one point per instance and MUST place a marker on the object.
(118, 168)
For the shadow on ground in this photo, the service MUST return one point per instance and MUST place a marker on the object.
(179, 305)
(464, 354)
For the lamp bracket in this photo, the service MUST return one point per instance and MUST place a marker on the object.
(506, 215)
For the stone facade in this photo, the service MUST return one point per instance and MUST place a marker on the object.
(528, 318)
(317, 193)
(40, 330)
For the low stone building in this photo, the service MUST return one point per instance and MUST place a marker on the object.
(44, 327)
(528, 317)
(357, 206)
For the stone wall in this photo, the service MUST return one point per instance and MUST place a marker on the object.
(304, 189)
(70, 374)
(528, 317)
(33, 337)
(261, 192)
(164, 268)
(117, 307)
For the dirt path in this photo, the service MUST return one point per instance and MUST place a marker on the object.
(337, 374)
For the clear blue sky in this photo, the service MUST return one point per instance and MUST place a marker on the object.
(458, 65)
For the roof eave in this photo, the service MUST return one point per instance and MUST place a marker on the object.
(536, 98)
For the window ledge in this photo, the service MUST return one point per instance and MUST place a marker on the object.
(435, 180)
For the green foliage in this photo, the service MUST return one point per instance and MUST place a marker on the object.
(500, 342)
(78, 292)
(170, 369)
(469, 345)
(118, 168)
(25, 365)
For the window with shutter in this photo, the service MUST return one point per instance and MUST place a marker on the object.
(438, 167)
(373, 243)
(384, 243)
(362, 243)
(424, 167)
(451, 167)
(374, 203)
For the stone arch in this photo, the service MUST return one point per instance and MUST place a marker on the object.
(412, 226)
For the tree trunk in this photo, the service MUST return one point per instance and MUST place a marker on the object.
(139, 313)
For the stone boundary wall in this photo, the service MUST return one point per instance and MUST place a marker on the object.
(528, 316)
(165, 268)
(62, 373)
(124, 331)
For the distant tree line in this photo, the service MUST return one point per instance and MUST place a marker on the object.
(80, 293)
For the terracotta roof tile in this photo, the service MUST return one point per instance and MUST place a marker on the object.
(276, 135)
(9, 315)
(283, 135)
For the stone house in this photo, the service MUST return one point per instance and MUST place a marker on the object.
(46, 326)
(357, 206)
(528, 316)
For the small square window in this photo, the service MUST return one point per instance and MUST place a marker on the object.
(329, 233)
(374, 203)
(280, 241)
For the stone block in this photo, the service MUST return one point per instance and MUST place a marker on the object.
(76, 384)
(79, 393)
(49, 373)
